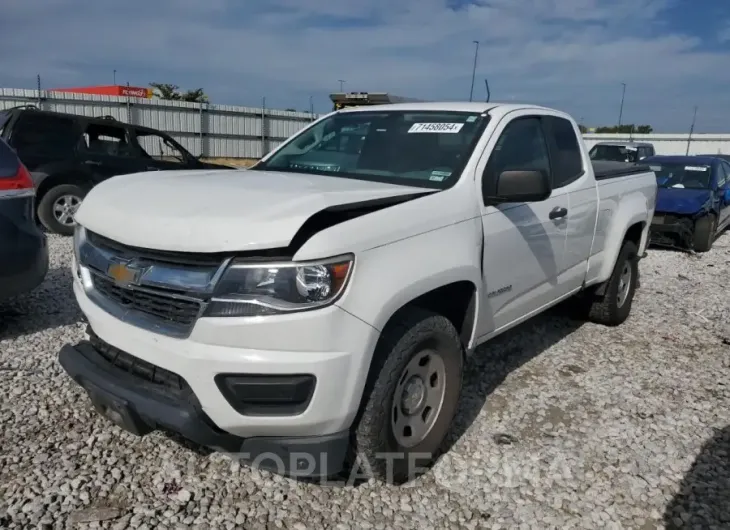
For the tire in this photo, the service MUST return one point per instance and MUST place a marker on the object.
(704, 233)
(48, 204)
(608, 308)
(413, 335)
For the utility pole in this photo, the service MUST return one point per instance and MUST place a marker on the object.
(691, 130)
(621, 109)
(474, 70)
(115, 77)
(342, 84)
(311, 108)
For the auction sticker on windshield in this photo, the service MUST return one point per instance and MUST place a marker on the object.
(444, 128)
(696, 168)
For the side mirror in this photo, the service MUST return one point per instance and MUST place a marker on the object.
(522, 186)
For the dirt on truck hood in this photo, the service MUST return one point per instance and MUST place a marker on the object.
(219, 211)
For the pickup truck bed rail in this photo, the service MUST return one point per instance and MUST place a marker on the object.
(606, 169)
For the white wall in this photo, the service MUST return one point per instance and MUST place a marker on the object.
(671, 144)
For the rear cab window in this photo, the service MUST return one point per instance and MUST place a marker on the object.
(567, 159)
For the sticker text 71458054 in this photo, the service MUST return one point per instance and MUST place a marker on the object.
(444, 128)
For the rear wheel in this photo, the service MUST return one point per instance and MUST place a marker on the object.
(613, 306)
(704, 234)
(411, 396)
(57, 208)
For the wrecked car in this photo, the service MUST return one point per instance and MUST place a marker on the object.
(693, 204)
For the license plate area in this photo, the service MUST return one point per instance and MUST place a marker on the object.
(116, 410)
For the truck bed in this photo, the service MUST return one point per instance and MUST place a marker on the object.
(607, 169)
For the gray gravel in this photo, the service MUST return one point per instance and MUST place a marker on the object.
(562, 425)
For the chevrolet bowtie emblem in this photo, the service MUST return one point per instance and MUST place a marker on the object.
(124, 273)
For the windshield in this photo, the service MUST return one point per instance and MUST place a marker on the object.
(615, 153)
(682, 176)
(424, 149)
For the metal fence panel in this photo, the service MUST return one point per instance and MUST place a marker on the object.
(219, 131)
(227, 131)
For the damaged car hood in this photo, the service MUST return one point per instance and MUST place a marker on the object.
(219, 211)
(681, 201)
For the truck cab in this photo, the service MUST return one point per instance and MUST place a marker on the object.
(323, 303)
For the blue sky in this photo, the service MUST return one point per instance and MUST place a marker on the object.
(569, 54)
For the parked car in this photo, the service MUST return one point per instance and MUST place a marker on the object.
(327, 302)
(622, 151)
(69, 154)
(23, 249)
(693, 204)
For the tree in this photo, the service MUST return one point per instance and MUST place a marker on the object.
(166, 91)
(172, 92)
(626, 129)
(195, 95)
(583, 129)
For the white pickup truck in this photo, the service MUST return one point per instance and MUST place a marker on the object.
(321, 305)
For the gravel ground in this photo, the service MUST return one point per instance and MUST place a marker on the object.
(561, 425)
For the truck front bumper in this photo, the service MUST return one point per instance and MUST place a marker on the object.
(141, 404)
(316, 363)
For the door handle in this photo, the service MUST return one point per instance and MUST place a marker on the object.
(558, 212)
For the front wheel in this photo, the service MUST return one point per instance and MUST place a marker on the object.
(704, 234)
(57, 208)
(411, 396)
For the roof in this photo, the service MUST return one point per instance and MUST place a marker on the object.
(447, 106)
(681, 159)
(627, 144)
(719, 155)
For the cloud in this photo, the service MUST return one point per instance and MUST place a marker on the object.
(571, 54)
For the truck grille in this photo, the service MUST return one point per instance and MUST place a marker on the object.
(150, 301)
(165, 292)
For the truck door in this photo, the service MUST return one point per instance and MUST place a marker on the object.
(569, 176)
(523, 242)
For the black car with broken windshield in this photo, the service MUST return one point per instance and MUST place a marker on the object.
(69, 154)
(414, 148)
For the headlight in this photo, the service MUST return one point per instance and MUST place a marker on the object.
(78, 235)
(255, 289)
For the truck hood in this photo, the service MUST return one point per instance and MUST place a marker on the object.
(218, 211)
(681, 201)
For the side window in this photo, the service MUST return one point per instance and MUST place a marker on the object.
(41, 134)
(106, 140)
(158, 147)
(521, 146)
(723, 174)
(567, 159)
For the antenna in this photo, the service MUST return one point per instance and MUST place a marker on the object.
(489, 94)
(691, 130)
